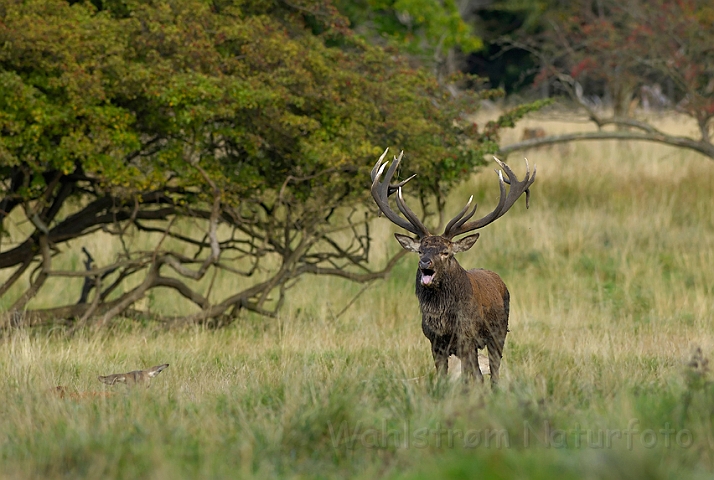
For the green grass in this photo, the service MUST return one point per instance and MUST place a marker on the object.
(611, 273)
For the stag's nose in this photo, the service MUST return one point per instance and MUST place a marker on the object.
(425, 263)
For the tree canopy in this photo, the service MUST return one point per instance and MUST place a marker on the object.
(257, 119)
(431, 30)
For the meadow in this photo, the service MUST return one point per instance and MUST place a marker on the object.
(611, 273)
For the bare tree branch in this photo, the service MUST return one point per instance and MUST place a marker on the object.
(356, 277)
(92, 308)
(16, 275)
(35, 286)
(699, 146)
(130, 297)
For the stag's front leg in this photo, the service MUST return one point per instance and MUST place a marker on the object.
(469, 365)
(441, 357)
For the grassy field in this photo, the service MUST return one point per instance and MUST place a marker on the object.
(611, 274)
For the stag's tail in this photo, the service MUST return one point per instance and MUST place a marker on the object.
(506, 305)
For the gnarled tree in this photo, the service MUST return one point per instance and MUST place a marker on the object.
(233, 137)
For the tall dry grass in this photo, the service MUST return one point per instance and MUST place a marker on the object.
(611, 273)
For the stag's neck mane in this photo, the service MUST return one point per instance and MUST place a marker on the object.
(451, 289)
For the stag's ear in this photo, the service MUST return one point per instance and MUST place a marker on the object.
(464, 244)
(408, 243)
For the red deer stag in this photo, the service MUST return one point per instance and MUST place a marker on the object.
(462, 311)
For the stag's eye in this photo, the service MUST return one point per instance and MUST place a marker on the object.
(444, 254)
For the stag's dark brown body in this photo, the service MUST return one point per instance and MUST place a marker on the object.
(462, 311)
(464, 314)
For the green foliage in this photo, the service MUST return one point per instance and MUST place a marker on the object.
(265, 116)
(131, 94)
(424, 27)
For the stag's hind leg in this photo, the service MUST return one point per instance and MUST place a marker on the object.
(498, 329)
(495, 352)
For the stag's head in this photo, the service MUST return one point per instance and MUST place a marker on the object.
(436, 252)
(436, 255)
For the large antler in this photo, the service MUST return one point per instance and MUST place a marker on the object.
(458, 224)
(382, 190)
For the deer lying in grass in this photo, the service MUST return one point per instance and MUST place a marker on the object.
(64, 392)
(532, 133)
(137, 377)
(462, 311)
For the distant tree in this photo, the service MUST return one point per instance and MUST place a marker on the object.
(629, 51)
(434, 31)
(238, 136)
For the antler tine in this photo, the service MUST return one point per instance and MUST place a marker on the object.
(379, 168)
(382, 190)
(395, 187)
(457, 226)
(482, 222)
(528, 190)
(532, 179)
(411, 216)
(460, 219)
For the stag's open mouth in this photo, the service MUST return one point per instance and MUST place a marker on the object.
(427, 276)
